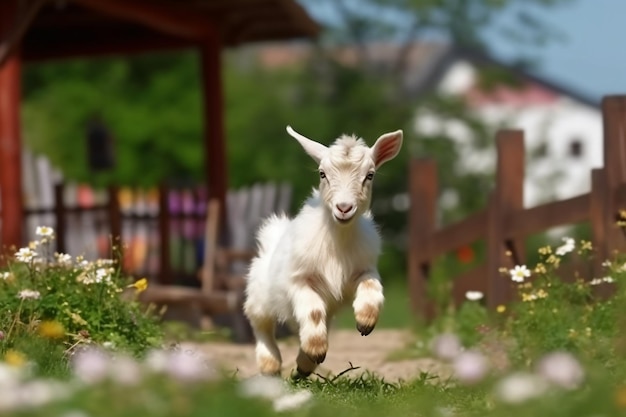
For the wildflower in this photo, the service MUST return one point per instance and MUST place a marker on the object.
(545, 250)
(44, 231)
(470, 367)
(63, 259)
(541, 293)
(140, 285)
(262, 386)
(25, 255)
(595, 281)
(520, 387)
(292, 401)
(585, 245)
(608, 280)
(555, 260)
(29, 294)
(519, 273)
(125, 371)
(501, 308)
(561, 369)
(474, 295)
(446, 346)
(528, 297)
(620, 397)
(188, 366)
(567, 247)
(15, 358)
(91, 365)
(51, 330)
(540, 269)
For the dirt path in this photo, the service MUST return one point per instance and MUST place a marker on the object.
(370, 353)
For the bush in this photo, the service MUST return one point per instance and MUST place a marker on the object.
(53, 303)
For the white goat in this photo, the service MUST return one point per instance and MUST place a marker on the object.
(308, 267)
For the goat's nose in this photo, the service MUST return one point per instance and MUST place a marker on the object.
(344, 207)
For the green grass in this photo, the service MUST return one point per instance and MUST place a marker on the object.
(551, 316)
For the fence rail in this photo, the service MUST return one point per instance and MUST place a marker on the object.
(504, 223)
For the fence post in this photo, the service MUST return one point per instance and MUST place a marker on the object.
(422, 221)
(614, 122)
(115, 220)
(507, 198)
(60, 218)
(165, 276)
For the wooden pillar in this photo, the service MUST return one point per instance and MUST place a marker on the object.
(214, 138)
(507, 198)
(10, 144)
(422, 221)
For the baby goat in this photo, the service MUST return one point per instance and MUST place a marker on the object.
(308, 267)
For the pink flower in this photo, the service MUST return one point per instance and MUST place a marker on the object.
(446, 346)
(562, 369)
(470, 367)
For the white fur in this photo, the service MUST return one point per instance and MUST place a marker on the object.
(325, 257)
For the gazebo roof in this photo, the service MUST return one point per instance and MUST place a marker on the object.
(70, 28)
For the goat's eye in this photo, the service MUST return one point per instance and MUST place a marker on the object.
(370, 176)
(322, 174)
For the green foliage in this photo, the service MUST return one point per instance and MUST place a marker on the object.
(52, 304)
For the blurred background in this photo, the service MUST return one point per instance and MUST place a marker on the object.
(448, 72)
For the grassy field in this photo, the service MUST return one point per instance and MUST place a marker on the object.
(73, 348)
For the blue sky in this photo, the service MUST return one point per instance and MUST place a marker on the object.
(591, 57)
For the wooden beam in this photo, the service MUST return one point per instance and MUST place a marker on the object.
(10, 143)
(214, 141)
(15, 30)
(158, 15)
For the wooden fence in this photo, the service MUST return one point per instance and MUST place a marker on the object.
(505, 223)
(161, 231)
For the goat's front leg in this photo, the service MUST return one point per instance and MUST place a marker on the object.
(310, 313)
(368, 301)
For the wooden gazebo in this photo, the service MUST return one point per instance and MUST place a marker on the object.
(37, 30)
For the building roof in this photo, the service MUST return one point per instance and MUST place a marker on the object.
(68, 28)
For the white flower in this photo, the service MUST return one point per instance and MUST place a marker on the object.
(608, 279)
(156, 360)
(125, 371)
(188, 366)
(562, 369)
(25, 255)
(292, 401)
(91, 365)
(567, 247)
(474, 295)
(470, 367)
(32, 294)
(595, 281)
(63, 258)
(44, 231)
(5, 275)
(519, 273)
(446, 346)
(520, 387)
(262, 386)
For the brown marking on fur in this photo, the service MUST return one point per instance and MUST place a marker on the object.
(316, 316)
(315, 348)
(370, 284)
(268, 365)
(316, 283)
(366, 319)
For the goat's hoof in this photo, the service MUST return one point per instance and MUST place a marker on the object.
(300, 374)
(364, 329)
(318, 358)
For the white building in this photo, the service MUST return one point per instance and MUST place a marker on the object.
(563, 130)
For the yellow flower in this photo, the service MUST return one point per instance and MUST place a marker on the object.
(585, 245)
(540, 268)
(140, 285)
(541, 293)
(620, 397)
(501, 308)
(545, 250)
(15, 358)
(51, 330)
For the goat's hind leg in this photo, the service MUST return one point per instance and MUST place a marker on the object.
(267, 353)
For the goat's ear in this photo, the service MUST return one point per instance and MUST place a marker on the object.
(386, 147)
(314, 149)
